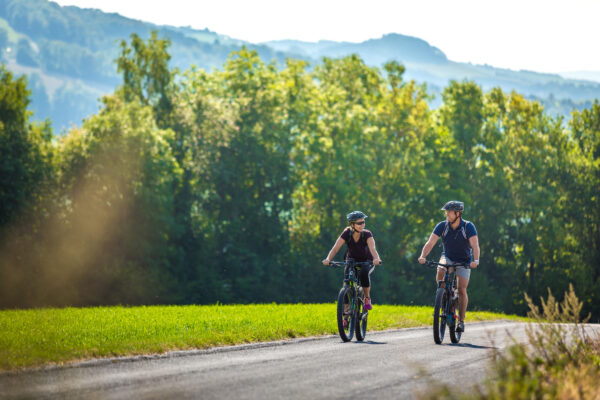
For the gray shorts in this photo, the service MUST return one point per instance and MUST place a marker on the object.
(460, 271)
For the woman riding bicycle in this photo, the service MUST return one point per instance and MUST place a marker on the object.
(361, 248)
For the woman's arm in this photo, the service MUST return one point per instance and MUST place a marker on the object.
(371, 244)
(336, 247)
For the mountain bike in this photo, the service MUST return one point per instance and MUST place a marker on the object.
(446, 303)
(351, 300)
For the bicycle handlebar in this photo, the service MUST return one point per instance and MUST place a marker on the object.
(433, 263)
(355, 263)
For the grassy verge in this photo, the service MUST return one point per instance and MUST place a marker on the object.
(41, 336)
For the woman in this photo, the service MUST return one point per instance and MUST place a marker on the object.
(361, 247)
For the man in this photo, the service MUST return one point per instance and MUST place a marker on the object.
(461, 246)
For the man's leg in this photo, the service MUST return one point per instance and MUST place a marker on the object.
(463, 298)
(441, 271)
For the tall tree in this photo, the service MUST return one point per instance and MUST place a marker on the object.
(146, 74)
(23, 147)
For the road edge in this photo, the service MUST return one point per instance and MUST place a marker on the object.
(94, 362)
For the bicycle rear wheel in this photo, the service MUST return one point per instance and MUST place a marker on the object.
(439, 316)
(346, 311)
(361, 319)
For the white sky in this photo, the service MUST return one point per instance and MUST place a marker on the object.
(539, 35)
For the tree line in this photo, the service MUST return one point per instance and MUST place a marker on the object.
(230, 186)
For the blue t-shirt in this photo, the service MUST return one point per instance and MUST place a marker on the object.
(456, 247)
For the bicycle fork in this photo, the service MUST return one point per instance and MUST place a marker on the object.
(450, 312)
(351, 303)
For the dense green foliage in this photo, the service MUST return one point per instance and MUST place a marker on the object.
(41, 336)
(232, 185)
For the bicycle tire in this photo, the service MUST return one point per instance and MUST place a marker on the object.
(455, 336)
(346, 293)
(361, 320)
(439, 318)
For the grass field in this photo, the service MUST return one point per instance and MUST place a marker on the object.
(42, 336)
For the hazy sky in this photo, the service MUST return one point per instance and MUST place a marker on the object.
(539, 35)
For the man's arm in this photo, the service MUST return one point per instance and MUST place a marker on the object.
(428, 246)
(371, 244)
(474, 242)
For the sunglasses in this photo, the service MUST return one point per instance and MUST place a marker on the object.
(360, 223)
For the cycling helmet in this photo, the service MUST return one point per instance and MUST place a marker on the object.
(454, 205)
(355, 215)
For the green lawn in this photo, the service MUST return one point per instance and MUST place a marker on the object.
(41, 336)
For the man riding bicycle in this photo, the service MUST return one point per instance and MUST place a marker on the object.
(361, 247)
(461, 246)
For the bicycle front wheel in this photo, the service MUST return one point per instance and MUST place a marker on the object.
(454, 336)
(439, 316)
(346, 313)
(361, 319)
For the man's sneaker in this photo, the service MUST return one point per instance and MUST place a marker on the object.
(368, 305)
(460, 327)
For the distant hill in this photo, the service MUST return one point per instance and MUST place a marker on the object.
(373, 51)
(582, 75)
(68, 55)
(428, 64)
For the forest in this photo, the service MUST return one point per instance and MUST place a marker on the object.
(230, 186)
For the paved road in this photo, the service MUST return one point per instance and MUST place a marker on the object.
(386, 366)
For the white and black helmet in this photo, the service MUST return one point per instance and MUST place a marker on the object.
(454, 205)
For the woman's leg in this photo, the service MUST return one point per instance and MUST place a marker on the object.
(365, 280)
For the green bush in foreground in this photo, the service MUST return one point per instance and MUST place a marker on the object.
(560, 360)
(40, 336)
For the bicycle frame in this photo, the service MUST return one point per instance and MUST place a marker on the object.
(450, 283)
(351, 279)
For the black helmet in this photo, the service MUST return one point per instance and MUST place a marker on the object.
(454, 205)
(354, 215)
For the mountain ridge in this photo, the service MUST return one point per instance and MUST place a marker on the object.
(79, 45)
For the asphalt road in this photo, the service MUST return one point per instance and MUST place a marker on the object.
(387, 365)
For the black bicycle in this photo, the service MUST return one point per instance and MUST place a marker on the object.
(446, 302)
(351, 313)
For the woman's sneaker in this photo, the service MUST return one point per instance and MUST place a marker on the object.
(368, 305)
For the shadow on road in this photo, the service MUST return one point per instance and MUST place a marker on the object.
(471, 346)
(369, 342)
